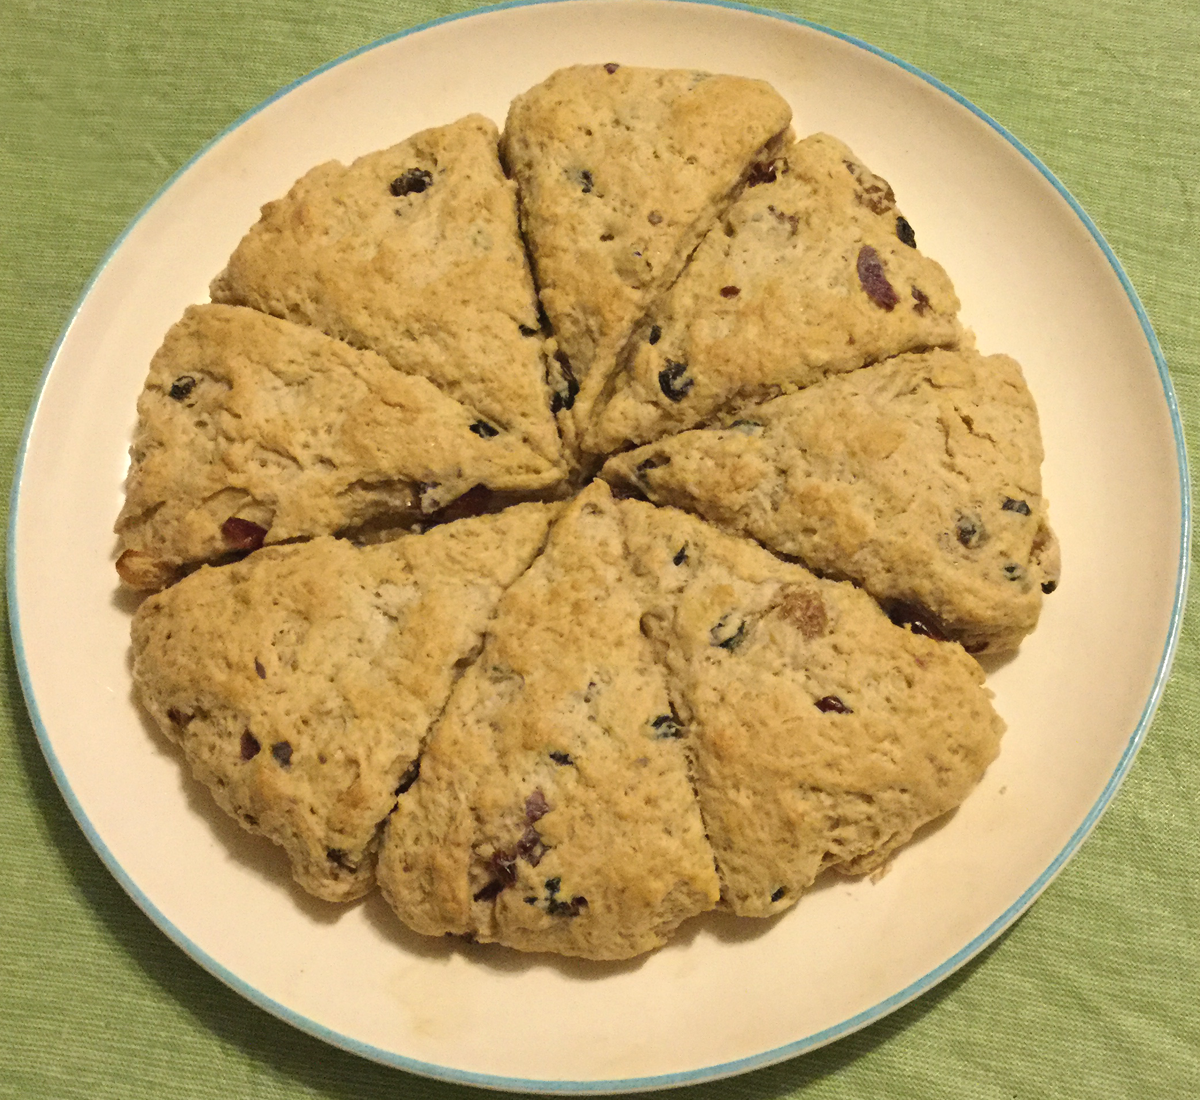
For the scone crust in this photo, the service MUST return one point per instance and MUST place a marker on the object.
(412, 252)
(918, 478)
(275, 425)
(301, 682)
(813, 271)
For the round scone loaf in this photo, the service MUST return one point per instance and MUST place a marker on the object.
(388, 641)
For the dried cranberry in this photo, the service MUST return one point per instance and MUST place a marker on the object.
(673, 382)
(413, 182)
(874, 281)
(241, 534)
(536, 806)
(182, 387)
(530, 847)
(611, 67)
(761, 173)
(250, 746)
(831, 704)
(922, 299)
(258, 667)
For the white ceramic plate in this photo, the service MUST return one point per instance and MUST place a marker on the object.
(1036, 281)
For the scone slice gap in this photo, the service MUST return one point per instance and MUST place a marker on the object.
(822, 734)
(554, 809)
(918, 478)
(813, 271)
(254, 430)
(621, 171)
(412, 252)
(301, 682)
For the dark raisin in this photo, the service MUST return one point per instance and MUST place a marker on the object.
(653, 463)
(672, 380)
(1018, 506)
(536, 806)
(922, 299)
(920, 620)
(282, 751)
(666, 726)
(527, 331)
(181, 387)
(720, 635)
(778, 894)
(413, 182)
(680, 556)
(761, 173)
(504, 867)
(586, 181)
(341, 858)
(486, 893)
(654, 217)
(831, 704)
(655, 334)
(553, 885)
(1049, 586)
(258, 667)
(411, 773)
(178, 717)
(730, 291)
(562, 758)
(564, 397)
(530, 901)
(566, 908)
(975, 647)
(530, 847)
(611, 67)
(874, 281)
(241, 534)
(250, 746)
(905, 232)
(969, 530)
(1014, 572)
(484, 430)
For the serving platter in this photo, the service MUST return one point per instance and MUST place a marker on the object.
(1036, 281)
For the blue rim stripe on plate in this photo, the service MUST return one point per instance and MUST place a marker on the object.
(725, 1069)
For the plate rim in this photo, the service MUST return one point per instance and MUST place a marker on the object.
(706, 1073)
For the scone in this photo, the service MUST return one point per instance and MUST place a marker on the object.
(813, 271)
(252, 431)
(822, 735)
(553, 810)
(918, 478)
(412, 252)
(300, 683)
(621, 171)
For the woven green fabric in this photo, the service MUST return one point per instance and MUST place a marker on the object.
(1092, 994)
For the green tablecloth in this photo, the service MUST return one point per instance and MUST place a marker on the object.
(1093, 994)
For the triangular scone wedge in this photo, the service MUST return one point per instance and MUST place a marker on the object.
(822, 734)
(553, 811)
(412, 252)
(621, 171)
(918, 478)
(814, 272)
(300, 683)
(254, 430)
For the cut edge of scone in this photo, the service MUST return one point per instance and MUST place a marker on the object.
(301, 683)
(622, 170)
(813, 271)
(554, 810)
(822, 735)
(253, 430)
(798, 474)
(413, 252)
